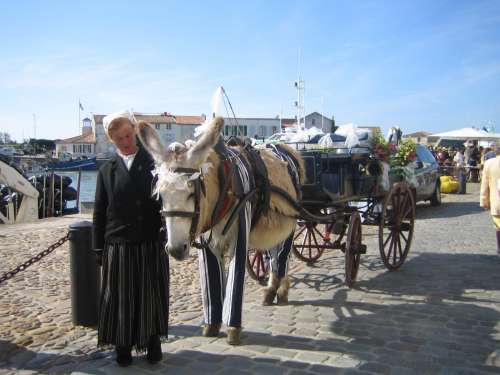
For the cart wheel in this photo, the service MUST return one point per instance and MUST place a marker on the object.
(396, 226)
(311, 246)
(353, 249)
(257, 266)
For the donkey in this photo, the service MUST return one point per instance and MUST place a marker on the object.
(206, 189)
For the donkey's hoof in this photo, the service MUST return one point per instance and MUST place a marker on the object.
(282, 291)
(282, 300)
(268, 298)
(211, 330)
(233, 335)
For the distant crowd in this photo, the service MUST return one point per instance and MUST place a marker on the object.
(469, 156)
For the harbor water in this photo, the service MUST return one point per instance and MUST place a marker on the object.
(87, 185)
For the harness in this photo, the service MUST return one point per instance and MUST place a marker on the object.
(259, 193)
(199, 187)
(224, 202)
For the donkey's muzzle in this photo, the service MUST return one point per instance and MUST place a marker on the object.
(178, 252)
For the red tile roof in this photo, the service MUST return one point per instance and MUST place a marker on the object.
(85, 138)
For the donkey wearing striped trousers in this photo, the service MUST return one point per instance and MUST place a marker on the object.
(205, 194)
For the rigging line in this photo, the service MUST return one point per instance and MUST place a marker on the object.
(230, 122)
(230, 105)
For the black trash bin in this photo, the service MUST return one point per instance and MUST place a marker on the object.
(85, 275)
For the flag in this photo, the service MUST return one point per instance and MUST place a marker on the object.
(80, 104)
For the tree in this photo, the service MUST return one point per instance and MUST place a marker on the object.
(5, 138)
(41, 145)
(334, 127)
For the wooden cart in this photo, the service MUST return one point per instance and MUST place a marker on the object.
(340, 194)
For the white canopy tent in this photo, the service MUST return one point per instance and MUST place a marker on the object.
(466, 134)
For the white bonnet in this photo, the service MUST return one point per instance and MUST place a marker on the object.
(107, 120)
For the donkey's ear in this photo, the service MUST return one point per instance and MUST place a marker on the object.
(199, 151)
(152, 142)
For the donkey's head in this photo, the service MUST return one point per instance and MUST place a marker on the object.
(180, 169)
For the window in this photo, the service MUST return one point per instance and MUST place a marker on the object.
(262, 131)
(236, 130)
(243, 130)
(313, 121)
(157, 126)
(168, 126)
(424, 155)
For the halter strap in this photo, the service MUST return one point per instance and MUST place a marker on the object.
(194, 215)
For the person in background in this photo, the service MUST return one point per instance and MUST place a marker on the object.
(491, 153)
(134, 301)
(472, 161)
(458, 161)
(490, 193)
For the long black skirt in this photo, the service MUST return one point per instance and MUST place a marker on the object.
(134, 295)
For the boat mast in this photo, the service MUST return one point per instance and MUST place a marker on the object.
(300, 86)
(34, 125)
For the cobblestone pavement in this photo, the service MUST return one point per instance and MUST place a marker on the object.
(438, 314)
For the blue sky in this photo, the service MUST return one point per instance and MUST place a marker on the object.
(422, 65)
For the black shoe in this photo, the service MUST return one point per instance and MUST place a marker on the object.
(123, 356)
(154, 350)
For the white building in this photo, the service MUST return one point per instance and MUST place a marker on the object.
(319, 121)
(94, 142)
(83, 145)
(170, 128)
(261, 127)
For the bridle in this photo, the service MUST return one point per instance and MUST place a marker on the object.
(199, 188)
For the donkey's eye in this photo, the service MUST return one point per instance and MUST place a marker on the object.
(190, 184)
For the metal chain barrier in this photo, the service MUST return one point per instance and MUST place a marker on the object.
(8, 275)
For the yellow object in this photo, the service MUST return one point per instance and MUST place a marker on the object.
(445, 178)
(449, 186)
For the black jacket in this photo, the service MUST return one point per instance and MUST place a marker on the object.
(124, 209)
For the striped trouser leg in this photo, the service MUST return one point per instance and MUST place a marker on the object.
(212, 285)
(279, 256)
(233, 303)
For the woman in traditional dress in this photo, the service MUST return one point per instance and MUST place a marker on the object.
(134, 299)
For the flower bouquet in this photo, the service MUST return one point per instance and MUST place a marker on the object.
(381, 149)
(401, 160)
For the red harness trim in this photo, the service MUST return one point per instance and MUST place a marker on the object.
(228, 200)
(226, 205)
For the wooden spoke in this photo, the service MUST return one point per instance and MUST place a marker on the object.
(301, 230)
(309, 242)
(388, 238)
(404, 237)
(257, 266)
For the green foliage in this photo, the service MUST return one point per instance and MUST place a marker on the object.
(380, 147)
(406, 152)
(42, 144)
